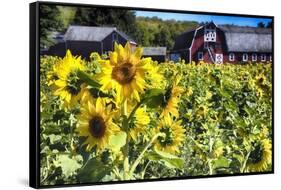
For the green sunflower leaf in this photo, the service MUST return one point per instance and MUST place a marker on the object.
(88, 79)
(221, 163)
(93, 171)
(153, 97)
(54, 138)
(68, 164)
(169, 160)
(117, 141)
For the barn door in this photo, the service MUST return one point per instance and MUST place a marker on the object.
(219, 58)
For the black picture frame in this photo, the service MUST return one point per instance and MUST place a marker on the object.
(34, 93)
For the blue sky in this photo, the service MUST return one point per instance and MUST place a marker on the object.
(242, 21)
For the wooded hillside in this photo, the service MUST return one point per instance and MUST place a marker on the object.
(144, 30)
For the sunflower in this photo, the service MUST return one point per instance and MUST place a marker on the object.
(171, 100)
(154, 76)
(260, 157)
(86, 95)
(141, 120)
(124, 72)
(95, 56)
(202, 111)
(52, 75)
(95, 123)
(189, 91)
(89, 93)
(68, 84)
(260, 93)
(261, 80)
(218, 149)
(208, 95)
(252, 83)
(174, 135)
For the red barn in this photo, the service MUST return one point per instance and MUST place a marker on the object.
(224, 43)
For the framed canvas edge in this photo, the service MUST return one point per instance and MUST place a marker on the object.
(34, 94)
(34, 101)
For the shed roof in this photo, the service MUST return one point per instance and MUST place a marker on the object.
(154, 51)
(91, 33)
(244, 29)
(247, 39)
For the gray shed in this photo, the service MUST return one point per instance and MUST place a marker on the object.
(156, 53)
(83, 40)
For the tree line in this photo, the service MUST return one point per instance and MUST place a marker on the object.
(145, 31)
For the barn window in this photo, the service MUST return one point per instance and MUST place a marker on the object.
(200, 56)
(231, 57)
(245, 57)
(263, 57)
(210, 35)
(254, 57)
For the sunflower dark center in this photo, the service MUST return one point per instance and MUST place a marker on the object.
(168, 139)
(97, 127)
(261, 80)
(73, 83)
(124, 73)
(54, 77)
(257, 154)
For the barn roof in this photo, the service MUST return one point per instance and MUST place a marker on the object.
(154, 51)
(247, 39)
(91, 33)
(184, 40)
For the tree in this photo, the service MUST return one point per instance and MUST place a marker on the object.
(163, 37)
(49, 22)
(157, 32)
(82, 16)
(124, 20)
(142, 35)
(261, 25)
(269, 24)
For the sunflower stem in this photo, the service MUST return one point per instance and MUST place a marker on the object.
(89, 158)
(137, 161)
(210, 166)
(125, 126)
(245, 162)
(117, 173)
(197, 144)
(211, 143)
(88, 79)
(144, 170)
(134, 110)
(126, 164)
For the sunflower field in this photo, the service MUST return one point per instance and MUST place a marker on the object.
(125, 117)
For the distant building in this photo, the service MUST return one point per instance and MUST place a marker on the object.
(83, 40)
(156, 53)
(225, 43)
